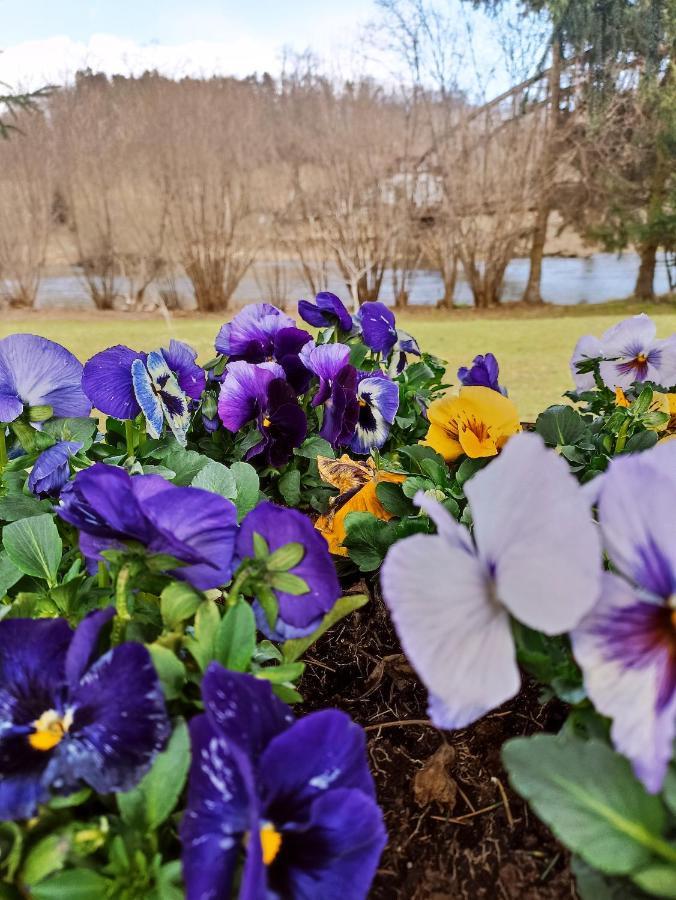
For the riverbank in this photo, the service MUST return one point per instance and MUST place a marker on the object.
(533, 344)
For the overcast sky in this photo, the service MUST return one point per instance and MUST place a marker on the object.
(46, 41)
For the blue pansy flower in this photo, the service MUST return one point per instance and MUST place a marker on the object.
(38, 372)
(109, 507)
(484, 372)
(337, 390)
(378, 399)
(68, 719)
(293, 801)
(51, 469)
(163, 384)
(377, 327)
(326, 311)
(299, 614)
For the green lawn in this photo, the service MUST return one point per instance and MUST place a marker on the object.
(533, 347)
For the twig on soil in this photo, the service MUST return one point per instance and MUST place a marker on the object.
(460, 820)
(315, 662)
(466, 799)
(399, 722)
(505, 801)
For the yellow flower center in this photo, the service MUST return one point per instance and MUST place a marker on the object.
(362, 402)
(271, 841)
(266, 422)
(50, 728)
(641, 359)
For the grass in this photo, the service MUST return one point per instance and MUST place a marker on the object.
(533, 346)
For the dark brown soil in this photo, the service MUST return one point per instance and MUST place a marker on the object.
(456, 830)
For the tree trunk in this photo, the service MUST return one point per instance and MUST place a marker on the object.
(532, 293)
(645, 280)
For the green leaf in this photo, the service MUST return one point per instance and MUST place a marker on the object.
(289, 487)
(11, 842)
(281, 674)
(642, 402)
(289, 584)
(248, 487)
(20, 506)
(593, 885)
(260, 545)
(669, 789)
(658, 880)
(236, 637)
(75, 884)
(186, 464)
(153, 799)
(47, 856)
(285, 557)
(207, 620)
(217, 478)
(268, 601)
(295, 648)
(34, 546)
(170, 670)
(82, 430)
(587, 794)
(9, 573)
(469, 468)
(560, 425)
(178, 602)
(642, 440)
(315, 446)
(367, 540)
(393, 499)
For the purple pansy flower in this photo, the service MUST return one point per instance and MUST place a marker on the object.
(51, 469)
(163, 384)
(262, 333)
(406, 346)
(377, 327)
(588, 347)
(299, 614)
(326, 311)
(68, 719)
(378, 399)
(627, 644)
(294, 798)
(451, 595)
(197, 527)
(484, 372)
(260, 392)
(337, 390)
(38, 372)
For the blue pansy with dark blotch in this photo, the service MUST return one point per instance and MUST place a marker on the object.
(326, 311)
(262, 333)
(406, 346)
(51, 469)
(292, 802)
(38, 372)
(484, 372)
(378, 399)
(260, 393)
(109, 507)
(68, 719)
(377, 327)
(337, 390)
(298, 614)
(163, 384)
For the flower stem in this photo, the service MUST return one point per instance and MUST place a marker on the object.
(102, 575)
(130, 437)
(123, 616)
(236, 587)
(3, 448)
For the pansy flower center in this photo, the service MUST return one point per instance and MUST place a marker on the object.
(362, 402)
(641, 359)
(50, 729)
(271, 841)
(266, 422)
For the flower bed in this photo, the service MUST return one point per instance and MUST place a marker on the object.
(203, 691)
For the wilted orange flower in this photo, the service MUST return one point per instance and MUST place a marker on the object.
(357, 483)
(620, 397)
(476, 422)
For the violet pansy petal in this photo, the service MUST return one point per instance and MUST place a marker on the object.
(32, 656)
(454, 635)
(101, 502)
(325, 749)
(243, 709)
(452, 531)
(82, 649)
(11, 406)
(244, 393)
(326, 360)
(588, 347)
(526, 548)
(120, 723)
(180, 358)
(107, 381)
(41, 372)
(377, 324)
(51, 469)
(638, 536)
(623, 648)
(147, 399)
(344, 838)
(217, 815)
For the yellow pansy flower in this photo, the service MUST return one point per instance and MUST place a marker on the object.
(477, 422)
